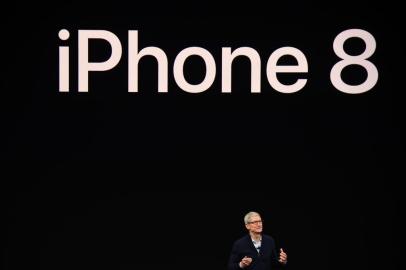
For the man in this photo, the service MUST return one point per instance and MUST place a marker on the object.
(255, 251)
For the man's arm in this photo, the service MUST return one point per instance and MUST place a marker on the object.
(235, 262)
(283, 257)
(278, 260)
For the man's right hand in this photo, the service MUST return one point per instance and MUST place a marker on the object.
(246, 261)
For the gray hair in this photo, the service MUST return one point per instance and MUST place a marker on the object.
(249, 215)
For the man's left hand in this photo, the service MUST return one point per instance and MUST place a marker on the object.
(283, 257)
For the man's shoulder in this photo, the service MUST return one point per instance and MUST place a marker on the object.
(268, 238)
(247, 239)
(242, 240)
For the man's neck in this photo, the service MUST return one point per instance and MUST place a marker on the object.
(255, 236)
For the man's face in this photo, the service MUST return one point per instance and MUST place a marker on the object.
(254, 224)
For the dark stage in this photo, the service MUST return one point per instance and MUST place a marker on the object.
(112, 179)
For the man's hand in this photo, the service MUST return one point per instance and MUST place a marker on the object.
(246, 261)
(283, 257)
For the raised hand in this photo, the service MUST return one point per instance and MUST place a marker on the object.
(283, 257)
(246, 261)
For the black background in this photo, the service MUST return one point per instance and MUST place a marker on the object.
(116, 180)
